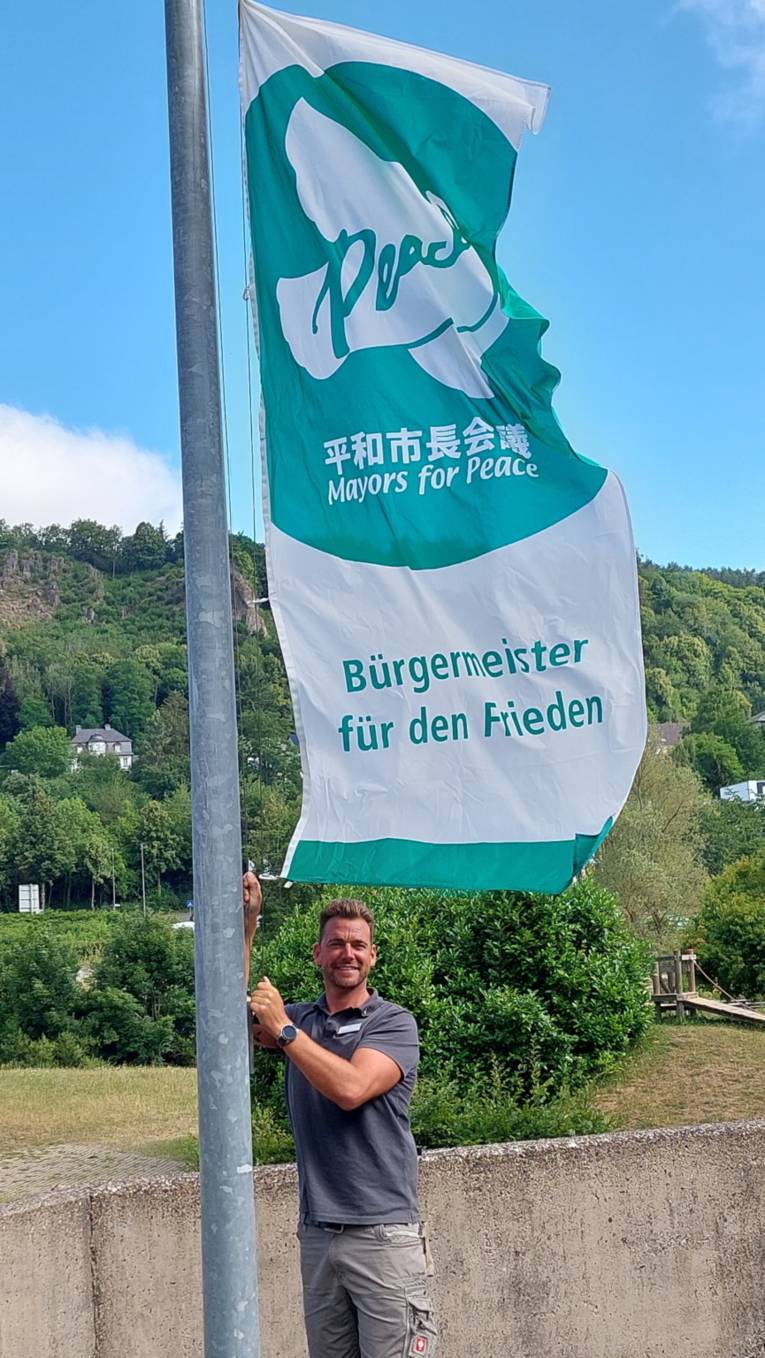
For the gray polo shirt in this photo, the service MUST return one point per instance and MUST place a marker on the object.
(357, 1167)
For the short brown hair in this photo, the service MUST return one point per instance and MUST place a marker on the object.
(346, 908)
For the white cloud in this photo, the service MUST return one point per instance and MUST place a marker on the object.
(49, 474)
(735, 31)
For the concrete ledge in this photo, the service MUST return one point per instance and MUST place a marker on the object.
(146, 1239)
(635, 1245)
(46, 1278)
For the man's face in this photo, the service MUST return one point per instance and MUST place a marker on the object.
(346, 953)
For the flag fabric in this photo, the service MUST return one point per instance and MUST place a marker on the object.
(454, 586)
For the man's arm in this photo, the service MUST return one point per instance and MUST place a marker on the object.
(252, 898)
(349, 1084)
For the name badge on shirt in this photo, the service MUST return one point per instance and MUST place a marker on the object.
(349, 1028)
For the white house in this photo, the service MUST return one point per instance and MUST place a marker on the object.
(102, 740)
(751, 791)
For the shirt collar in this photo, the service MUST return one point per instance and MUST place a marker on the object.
(373, 1002)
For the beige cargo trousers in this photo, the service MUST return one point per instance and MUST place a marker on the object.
(365, 1292)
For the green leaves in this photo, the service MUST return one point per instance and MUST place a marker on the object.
(729, 929)
(43, 750)
(518, 999)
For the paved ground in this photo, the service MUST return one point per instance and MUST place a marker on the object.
(38, 1171)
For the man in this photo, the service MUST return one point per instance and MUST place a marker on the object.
(351, 1061)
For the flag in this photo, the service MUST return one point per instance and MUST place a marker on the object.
(453, 585)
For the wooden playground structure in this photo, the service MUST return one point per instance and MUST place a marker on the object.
(674, 991)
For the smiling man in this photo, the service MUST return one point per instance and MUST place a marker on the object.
(351, 1061)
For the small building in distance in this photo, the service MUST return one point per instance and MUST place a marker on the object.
(669, 734)
(758, 719)
(751, 791)
(102, 740)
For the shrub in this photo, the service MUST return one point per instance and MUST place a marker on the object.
(272, 1142)
(729, 930)
(123, 1032)
(447, 1113)
(39, 987)
(39, 1022)
(141, 1004)
(519, 1000)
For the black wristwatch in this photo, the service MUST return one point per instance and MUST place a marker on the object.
(288, 1034)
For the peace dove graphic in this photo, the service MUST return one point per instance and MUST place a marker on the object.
(399, 270)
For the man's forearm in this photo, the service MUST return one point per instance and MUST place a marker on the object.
(249, 935)
(252, 900)
(333, 1076)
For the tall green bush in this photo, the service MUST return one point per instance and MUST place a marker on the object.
(39, 998)
(518, 998)
(140, 1007)
(729, 930)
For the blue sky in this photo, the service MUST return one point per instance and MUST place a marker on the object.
(637, 228)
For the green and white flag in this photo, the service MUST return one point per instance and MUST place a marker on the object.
(454, 587)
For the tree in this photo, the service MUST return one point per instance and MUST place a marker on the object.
(712, 758)
(93, 851)
(664, 702)
(141, 1006)
(163, 763)
(161, 840)
(178, 808)
(43, 750)
(266, 719)
(9, 705)
(146, 550)
(652, 860)
(9, 820)
(34, 712)
(43, 849)
(86, 694)
(38, 1016)
(166, 662)
(90, 541)
(731, 830)
(104, 786)
(269, 817)
(54, 538)
(725, 713)
(729, 930)
(129, 701)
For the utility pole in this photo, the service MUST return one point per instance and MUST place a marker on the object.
(231, 1327)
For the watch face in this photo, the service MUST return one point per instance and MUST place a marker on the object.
(287, 1035)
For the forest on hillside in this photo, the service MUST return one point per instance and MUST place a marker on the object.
(92, 631)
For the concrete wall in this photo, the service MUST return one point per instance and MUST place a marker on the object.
(640, 1245)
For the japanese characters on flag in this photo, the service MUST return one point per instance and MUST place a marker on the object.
(454, 586)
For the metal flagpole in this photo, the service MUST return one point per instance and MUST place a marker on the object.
(225, 1137)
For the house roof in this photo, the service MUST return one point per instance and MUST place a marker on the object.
(759, 718)
(671, 733)
(106, 733)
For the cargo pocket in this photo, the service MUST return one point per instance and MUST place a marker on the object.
(421, 1334)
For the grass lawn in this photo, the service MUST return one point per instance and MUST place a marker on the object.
(698, 1071)
(130, 1107)
(681, 1073)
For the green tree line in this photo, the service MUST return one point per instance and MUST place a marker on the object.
(97, 635)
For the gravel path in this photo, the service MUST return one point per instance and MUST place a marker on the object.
(37, 1171)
